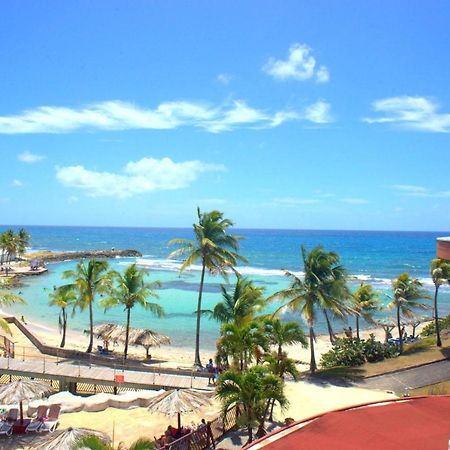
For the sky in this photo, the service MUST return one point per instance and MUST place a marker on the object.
(293, 114)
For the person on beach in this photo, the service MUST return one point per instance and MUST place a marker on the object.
(210, 369)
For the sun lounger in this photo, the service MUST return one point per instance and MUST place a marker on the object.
(6, 427)
(36, 424)
(52, 422)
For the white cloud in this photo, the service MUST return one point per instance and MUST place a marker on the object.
(137, 177)
(292, 202)
(224, 78)
(26, 157)
(117, 115)
(299, 65)
(354, 201)
(416, 113)
(17, 183)
(318, 112)
(418, 191)
(72, 199)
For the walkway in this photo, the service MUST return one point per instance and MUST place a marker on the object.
(68, 371)
(409, 378)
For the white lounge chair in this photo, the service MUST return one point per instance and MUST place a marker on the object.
(52, 422)
(7, 425)
(41, 413)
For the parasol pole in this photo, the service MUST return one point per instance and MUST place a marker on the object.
(21, 411)
(179, 421)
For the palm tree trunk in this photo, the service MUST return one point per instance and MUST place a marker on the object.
(399, 326)
(64, 327)
(357, 328)
(127, 333)
(436, 317)
(198, 361)
(280, 351)
(330, 329)
(312, 364)
(91, 328)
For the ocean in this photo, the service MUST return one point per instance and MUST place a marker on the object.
(374, 257)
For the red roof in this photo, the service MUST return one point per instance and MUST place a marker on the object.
(417, 423)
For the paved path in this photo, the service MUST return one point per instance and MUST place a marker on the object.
(409, 378)
(68, 371)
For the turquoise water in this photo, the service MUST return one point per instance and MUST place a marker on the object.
(376, 257)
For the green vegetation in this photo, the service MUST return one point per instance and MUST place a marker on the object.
(88, 280)
(407, 293)
(355, 352)
(13, 245)
(323, 287)
(64, 297)
(367, 302)
(440, 273)
(215, 249)
(430, 328)
(131, 290)
(95, 443)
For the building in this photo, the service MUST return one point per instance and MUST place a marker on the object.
(416, 423)
(443, 247)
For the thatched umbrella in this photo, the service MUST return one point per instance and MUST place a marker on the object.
(146, 338)
(179, 401)
(66, 439)
(22, 391)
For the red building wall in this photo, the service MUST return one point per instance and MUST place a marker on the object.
(443, 249)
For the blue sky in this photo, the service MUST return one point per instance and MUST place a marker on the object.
(293, 114)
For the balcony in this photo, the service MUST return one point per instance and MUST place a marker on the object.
(443, 248)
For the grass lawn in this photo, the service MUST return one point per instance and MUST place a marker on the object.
(421, 352)
(433, 389)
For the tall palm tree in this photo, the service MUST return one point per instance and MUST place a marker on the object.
(440, 273)
(23, 240)
(8, 299)
(252, 390)
(239, 306)
(407, 293)
(284, 333)
(243, 343)
(89, 280)
(63, 297)
(214, 248)
(132, 290)
(322, 288)
(367, 302)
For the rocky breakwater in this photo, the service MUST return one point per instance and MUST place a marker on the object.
(48, 256)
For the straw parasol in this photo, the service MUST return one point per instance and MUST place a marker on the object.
(179, 401)
(66, 439)
(22, 391)
(136, 336)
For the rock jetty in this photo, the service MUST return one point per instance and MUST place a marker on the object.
(48, 256)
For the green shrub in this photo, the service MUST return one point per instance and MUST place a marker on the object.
(351, 353)
(430, 329)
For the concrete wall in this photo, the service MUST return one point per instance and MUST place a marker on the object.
(443, 249)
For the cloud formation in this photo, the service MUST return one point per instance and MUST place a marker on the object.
(137, 177)
(319, 112)
(17, 183)
(414, 113)
(28, 157)
(224, 78)
(117, 115)
(300, 65)
(410, 190)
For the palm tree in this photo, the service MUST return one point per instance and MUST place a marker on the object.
(440, 273)
(8, 299)
(88, 280)
(63, 297)
(284, 333)
(95, 443)
(243, 343)
(214, 248)
(366, 304)
(23, 240)
(239, 306)
(407, 292)
(252, 389)
(132, 290)
(323, 288)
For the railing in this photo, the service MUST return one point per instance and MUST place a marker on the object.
(206, 436)
(7, 346)
(117, 362)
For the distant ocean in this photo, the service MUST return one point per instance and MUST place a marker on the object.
(371, 256)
